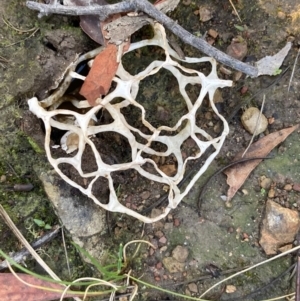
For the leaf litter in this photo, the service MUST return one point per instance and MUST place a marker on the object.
(237, 175)
(104, 68)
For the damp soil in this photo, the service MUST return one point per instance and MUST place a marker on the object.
(35, 52)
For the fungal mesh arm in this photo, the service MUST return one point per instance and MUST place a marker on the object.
(127, 87)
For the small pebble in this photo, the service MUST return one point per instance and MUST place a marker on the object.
(163, 240)
(249, 121)
(244, 90)
(230, 289)
(288, 187)
(187, 292)
(159, 234)
(208, 115)
(176, 222)
(170, 217)
(228, 204)
(223, 198)
(168, 226)
(281, 15)
(163, 249)
(186, 2)
(193, 287)
(230, 230)
(245, 191)
(166, 188)
(265, 183)
(271, 120)
(205, 14)
(2, 178)
(213, 33)
(271, 193)
(180, 253)
(155, 212)
(145, 195)
(296, 187)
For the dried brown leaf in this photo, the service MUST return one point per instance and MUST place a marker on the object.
(12, 289)
(89, 24)
(103, 70)
(237, 175)
(205, 13)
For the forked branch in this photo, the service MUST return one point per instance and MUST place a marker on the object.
(103, 11)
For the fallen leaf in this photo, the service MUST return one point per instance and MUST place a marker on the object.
(99, 79)
(104, 67)
(90, 24)
(237, 175)
(205, 14)
(12, 289)
(270, 65)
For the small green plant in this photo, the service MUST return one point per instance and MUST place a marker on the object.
(263, 191)
(277, 71)
(119, 279)
(42, 224)
(240, 28)
(35, 227)
(113, 277)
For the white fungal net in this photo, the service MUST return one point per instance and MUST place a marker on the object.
(81, 129)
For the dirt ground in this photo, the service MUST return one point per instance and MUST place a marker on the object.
(34, 53)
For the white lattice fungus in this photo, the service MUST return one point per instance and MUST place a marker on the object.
(127, 87)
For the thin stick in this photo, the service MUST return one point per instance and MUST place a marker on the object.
(17, 29)
(297, 296)
(293, 71)
(256, 126)
(3, 59)
(235, 10)
(23, 240)
(32, 34)
(250, 268)
(65, 249)
(19, 256)
(104, 11)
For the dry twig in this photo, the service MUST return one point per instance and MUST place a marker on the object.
(19, 256)
(22, 239)
(293, 71)
(235, 10)
(144, 6)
